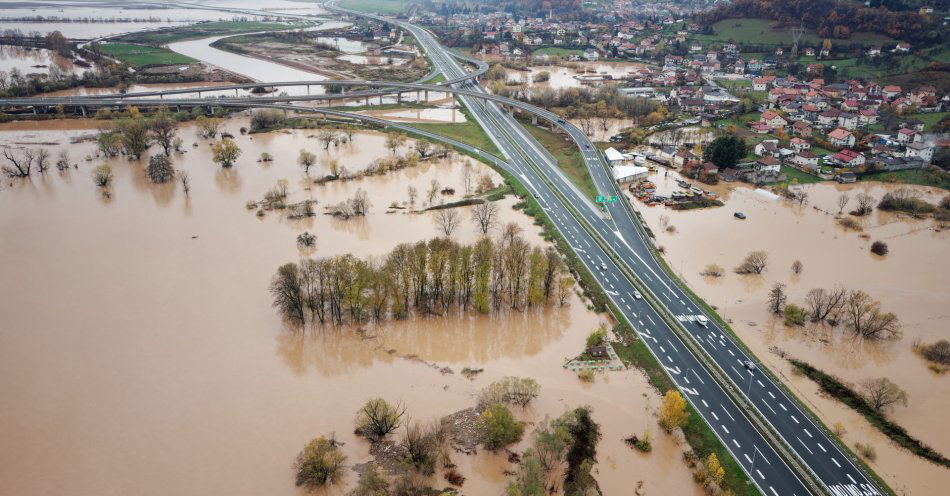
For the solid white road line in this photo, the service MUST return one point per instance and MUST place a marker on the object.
(803, 444)
(770, 407)
(727, 412)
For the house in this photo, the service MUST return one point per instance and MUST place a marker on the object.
(767, 164)
(773, 120)
(902, 47)
(806, 160)
(613, 156)
(841, 137)
(683, 157)
(710, 168)
(801, 128)
(762, 83)
(767, 148)
(598, 351)
(591, 54)
(874, 51)
(891, 91)
(760, 128)
(922, 150)
(867, 116)
(799, 144)
(907, 136)
(848, 158)
(848, 120)
(829, 118)
(846, 177)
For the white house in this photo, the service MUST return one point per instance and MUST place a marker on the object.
(591, 54)
(614, 157)
(629, 173)
(922, 150)
(805, 159)
(841, 137)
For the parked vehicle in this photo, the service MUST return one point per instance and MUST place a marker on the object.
(739, 215)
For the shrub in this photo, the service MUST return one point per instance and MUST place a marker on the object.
(266, 119)
(713, 270)
(511, 390)
(866, 450)
(755, 262)
(795, 315)
(597, 337)
(498, 428)
(586, 375)
(850, 224)
(879, 248)
(319, 463)
(938, 352)
(102, 176)
(423, 444)
(306, 240)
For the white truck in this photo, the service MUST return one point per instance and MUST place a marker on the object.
(702, 320)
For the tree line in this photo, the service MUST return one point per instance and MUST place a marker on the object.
(429, 278)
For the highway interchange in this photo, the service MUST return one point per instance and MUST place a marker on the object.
(614, 247)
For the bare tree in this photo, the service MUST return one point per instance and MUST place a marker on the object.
(797, 267)
(20, 166)
(843, 200)
(62, 162)
(102, 176)
(327, 137)
(360, 202)
(394, 140)
(433, 191)
(423, 148)
(424, 446)
(800, 197)
(755, 262)
(185, 181)
(306, 160)
(777, 298)
(42, 160)
(865, 202)
(163, 129)
(564, 287)
(865, 318)
(882, 394)
(467, 177)
(378, 417)
(822, 304)
(413, 194)
(447, 221)
(485, 216)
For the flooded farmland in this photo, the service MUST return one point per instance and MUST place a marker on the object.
(909, 281)
(139, 340)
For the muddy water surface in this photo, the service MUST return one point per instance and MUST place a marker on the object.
(138, 340)
(910, 281)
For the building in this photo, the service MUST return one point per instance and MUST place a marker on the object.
(591, 54)
(923, 151)
(629, 173)
(799, 144)
(841, 137)
(767, 164)
(806, 160)
(614, 157)
(773, 120)
(848, 158)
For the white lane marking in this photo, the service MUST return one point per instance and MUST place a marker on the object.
(705, 404)
(731, 353)
(806, 432)
(736, 443)
(793, 418)
(727, 412)
(770, 394)
(668, 358)
(773, 491)
(836, 462)
(651, 320)
(852, 479)
(760, 474)
(747, 457)
(803, 444)
(698, 377)
(628, 307)
(822, 448)
(641, 322)
(770, 407)
(662, 349)
(724, 428)
(760, 383)
(715, 416)
(782, 406)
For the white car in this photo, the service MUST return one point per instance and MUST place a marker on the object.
(637, 295)
(702, 320)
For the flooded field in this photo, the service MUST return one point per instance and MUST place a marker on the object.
(573, 76)
(909, 281)
(35, 60)
(140, 343)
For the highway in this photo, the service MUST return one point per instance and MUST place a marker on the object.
(614, 247)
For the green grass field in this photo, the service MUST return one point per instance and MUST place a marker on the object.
(140, 55)
(204, 30)
(568, 157)
(468, 132)
(378, 6)
(799, 177)
(557, 51)
(761, 32)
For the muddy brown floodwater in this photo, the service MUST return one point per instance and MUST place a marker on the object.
(910, 281)
(139, 353)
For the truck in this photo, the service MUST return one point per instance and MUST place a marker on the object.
(702, 320)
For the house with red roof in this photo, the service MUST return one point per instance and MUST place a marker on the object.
(849, 158)
(841, 137)
(773, 120)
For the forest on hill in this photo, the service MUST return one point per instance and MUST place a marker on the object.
(837, 19)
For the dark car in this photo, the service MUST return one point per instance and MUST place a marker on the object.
(561, 121)
(739, 215)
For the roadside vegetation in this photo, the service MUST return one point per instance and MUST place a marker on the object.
(203, 30)
(879, 395)
(143, 55)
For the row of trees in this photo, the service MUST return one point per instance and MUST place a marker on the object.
(861, 314)
(589, 104)
(431, 277)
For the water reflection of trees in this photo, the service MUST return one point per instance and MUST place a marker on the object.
(834, 344)
(458, 338)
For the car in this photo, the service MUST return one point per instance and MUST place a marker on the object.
(749, 365)
(739, 215)
(702, 320)
(637, 295)
(603, 266)
(561, 121)
(588, 146)
(537, 196)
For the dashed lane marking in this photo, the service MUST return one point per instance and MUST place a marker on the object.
(736, 443)
(724, 428)
(835, 462)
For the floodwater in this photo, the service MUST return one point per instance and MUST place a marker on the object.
(252, 67)
(138, 88)
(909, 281)
(451, 115)
(35, 60)
(566, 77)
(139, 341)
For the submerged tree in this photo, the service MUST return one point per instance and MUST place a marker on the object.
(319, 463)
(378, 417)
(225, 152)
(159, 169)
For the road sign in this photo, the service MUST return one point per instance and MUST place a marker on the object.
(612, 199)
(599, 199)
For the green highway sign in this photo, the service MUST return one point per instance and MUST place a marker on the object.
(612, 199)
(599, 199)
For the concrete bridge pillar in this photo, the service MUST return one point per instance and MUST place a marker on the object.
(83, 110)
(427, 96)
(199, 93)
(534, 119)
(398, 97)
(367, 101)
(235, 92)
